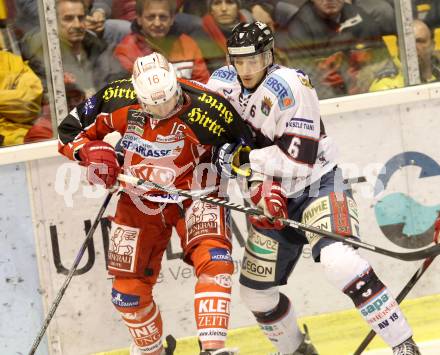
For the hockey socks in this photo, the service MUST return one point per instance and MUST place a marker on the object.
(146, 330)
(280, 326)
(379, 308)
(212, 297)
(352, 274)
(212, 311)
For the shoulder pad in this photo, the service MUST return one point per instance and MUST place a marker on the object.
(273, 68)
(304, 78)
(115, 95)
(281, 89)
(192, 84)
(226, 74)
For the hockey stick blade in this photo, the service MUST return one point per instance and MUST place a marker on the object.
(409, 256)
(69, 276)
(350, 240)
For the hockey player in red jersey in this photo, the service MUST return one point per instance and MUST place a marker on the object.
(293, 174)
(166, 125)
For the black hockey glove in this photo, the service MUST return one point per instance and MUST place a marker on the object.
(232, 159)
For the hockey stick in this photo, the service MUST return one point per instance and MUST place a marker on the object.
(349, 240)
(72, 270)
(405, 290)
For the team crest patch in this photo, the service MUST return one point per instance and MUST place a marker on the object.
(223, 280)
(266, 106)
(136, 122)
(123, 247)
(202, 219)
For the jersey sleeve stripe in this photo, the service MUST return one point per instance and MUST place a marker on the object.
(299, 136)
(305, 151)
(298, 161)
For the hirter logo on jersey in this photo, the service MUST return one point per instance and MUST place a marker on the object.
(266, 106)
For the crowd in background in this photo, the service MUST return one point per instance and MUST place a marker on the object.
(346, 47)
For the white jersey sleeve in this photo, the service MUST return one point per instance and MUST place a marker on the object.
(284, 114)
(224, 81)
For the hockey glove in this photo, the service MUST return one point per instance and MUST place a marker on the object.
(101, 162)
(271, 199)
(230, 159)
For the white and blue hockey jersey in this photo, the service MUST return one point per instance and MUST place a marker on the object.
(284, 114)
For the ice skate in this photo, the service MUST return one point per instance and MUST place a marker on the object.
(167, 350)
(171, 345)
(306, 347)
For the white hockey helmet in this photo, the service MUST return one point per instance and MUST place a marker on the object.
(155, 83)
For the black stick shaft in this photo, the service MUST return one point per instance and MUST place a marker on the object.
(349, 240)
(72, 270)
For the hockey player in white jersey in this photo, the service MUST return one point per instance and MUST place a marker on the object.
(292, 173)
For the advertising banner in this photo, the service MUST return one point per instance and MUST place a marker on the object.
(21, 307)
(394, 153)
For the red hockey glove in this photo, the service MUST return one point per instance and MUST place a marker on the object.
(270, 197)
(101, 162)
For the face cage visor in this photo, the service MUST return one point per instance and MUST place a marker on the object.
(251, 64)
(164, 109)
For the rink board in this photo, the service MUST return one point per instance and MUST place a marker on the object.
(86, 321)
(338, 333)
(21, 306)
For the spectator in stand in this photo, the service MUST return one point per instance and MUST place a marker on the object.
(80, 50)
(24, 15)
(153, 31)
(41, 130)
(221, 17)
(195, 7)
(432, 18)
(263, 11)
(275, 14)
(391, 77)
(110, 30)
(280, 12)
(337, 44)
(382, 13)
(20, 98)
(125, 10)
